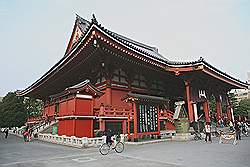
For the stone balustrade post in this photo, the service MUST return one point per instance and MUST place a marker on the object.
(84, 142)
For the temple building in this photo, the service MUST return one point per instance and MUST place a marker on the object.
(108, 81)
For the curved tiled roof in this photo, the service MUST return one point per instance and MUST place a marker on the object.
(144, 50)
(151, 52)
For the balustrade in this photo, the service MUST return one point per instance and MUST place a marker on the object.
(74, 141)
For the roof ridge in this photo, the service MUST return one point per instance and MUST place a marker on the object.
(131, 42)
(145, 49)
(136, 42)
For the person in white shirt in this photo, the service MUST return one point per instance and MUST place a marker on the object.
(231, 126)
(208, 132)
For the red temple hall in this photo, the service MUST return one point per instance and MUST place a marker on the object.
(108, 81)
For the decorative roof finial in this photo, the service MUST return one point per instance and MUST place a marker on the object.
(94, 21)
(77, 16)
(201, 58)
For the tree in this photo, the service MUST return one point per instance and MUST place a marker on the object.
(12, 111)
(233, 101)
(34, 107)
(212, 104)
(243, 108)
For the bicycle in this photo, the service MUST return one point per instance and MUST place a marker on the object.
(106, 148)
(197, 136)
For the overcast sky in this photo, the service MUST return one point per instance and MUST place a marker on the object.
(34, 34)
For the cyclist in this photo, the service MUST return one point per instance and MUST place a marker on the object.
(108, 137)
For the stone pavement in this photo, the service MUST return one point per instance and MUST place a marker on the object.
(14, 152)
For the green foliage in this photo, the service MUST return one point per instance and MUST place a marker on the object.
(212, 104)
(34, 107)
(233, 101)
(243, 108)
(12, 111)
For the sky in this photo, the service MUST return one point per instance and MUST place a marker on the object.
(34, 34)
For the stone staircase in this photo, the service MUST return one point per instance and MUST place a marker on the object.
(39, 128)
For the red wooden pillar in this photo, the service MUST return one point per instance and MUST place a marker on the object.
(206, 111)
(218, 108)
(229, 115)
(135, 123)
(124, 126)
(108, 96)
(101, 124)
(92, 120)
(189, 102)
(129, 126)
(228, 109)
(129, 119)
(101, 121)
(74, 127)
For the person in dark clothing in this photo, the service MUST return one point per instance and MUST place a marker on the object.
(108, 137)
(238, 130)
(6, 133)
(31, 132)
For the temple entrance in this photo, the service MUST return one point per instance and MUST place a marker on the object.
(199, 121)
(146, 115)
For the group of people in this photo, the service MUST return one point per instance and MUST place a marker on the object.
(238, 127)
(241, 128)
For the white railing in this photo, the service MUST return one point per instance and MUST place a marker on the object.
(72, 141)
(75, 141)
(17, 131)
(36, 129)
(40, 127)
(167, 134)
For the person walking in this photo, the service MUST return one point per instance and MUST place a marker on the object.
(245, 128)
(208, 132)
(238, 130)
(6, 133)
(26, 134)
(231, 126)
(108, 137)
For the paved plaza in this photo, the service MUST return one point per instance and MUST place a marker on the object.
(14, 152)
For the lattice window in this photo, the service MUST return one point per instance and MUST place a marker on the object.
(120, 76)
(157, 85)
(100, 78)
(139, 81)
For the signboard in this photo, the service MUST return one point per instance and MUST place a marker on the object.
(147, 118)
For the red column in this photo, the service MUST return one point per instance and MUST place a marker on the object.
(189, 102)
(102, 110)
(74, 126)
(101, 124)
(229, 115)
(129, 119)
(135, 122)
(206, 111)
(92, 120)
(124, 126)
(108, 93)
(218, 108)
(228, 109)
(129, 126)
